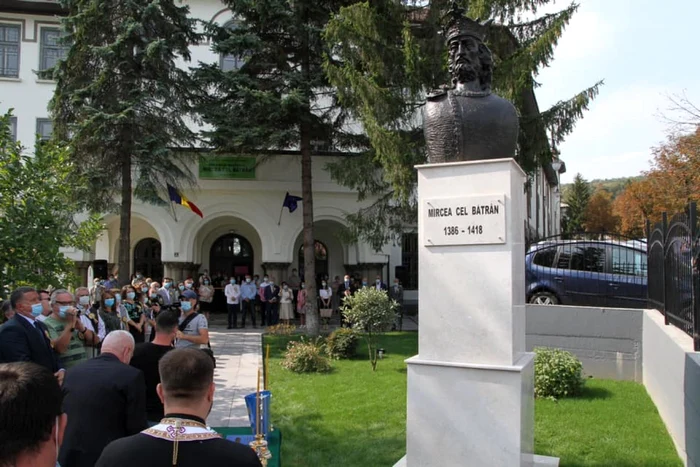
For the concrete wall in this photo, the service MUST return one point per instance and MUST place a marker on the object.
(607, 340)
(672, 379)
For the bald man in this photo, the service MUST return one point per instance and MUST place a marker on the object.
(105, 400)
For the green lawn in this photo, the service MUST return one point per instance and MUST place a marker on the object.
(354, 417)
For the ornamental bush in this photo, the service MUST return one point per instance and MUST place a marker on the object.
(281, 329)
(557, 373)
(342, 343)
(306, 357)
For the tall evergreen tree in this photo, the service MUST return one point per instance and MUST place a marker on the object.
(277, 97)
(577, 199)
(386, 55)
(122, 101)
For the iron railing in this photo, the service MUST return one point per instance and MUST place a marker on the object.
(673, 279)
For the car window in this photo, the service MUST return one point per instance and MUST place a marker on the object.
(628, 262)
(545, 257)
(588, 257)
(564, 256)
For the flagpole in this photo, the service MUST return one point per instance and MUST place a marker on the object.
(172, 208)
(280, 220)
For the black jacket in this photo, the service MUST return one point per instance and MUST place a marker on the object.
(21, 342)
(105, 400)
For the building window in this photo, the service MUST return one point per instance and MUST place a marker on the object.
(9, 50)
(52, 48)
(409, 261)
(44, 128)
(13, 128)
(229, 62)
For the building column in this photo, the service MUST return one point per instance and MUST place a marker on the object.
(278, 271)
(81, 269)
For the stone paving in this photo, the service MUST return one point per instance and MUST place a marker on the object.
(238, 357)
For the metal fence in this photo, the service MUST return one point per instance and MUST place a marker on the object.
(673, 279)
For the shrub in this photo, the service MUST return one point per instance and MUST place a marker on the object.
(372, 312)
(342, 343)
(281, 329)
(306, 357)
(557, 373)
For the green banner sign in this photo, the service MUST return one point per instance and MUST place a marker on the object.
(213, 167)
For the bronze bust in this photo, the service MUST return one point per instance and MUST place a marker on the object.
(467, 122)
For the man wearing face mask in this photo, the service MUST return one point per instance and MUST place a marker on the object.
(90, 318)
(66, 331)
(31, 432)
(193, 329)
(24, 338)
(105, 400)
(271, 294)
(182, 437)
(167, 291)
(233, 294)
(248, 295)
(45, 298)
(345, 289)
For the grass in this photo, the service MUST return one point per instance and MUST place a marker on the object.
(356, 417)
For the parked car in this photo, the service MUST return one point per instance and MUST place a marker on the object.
(601, 273)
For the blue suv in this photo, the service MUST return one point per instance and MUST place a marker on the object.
(600, 273)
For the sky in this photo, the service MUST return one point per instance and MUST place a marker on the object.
(645, 51)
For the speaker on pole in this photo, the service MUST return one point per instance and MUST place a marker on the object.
(100, 269)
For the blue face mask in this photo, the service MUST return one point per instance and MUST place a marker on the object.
(206, 282)
(167, 285)
(63, 311)
(181, 287)
(130, 295)
(37, 308)
(233, 281)
(118, 297)
(185, 306)
(109, 302)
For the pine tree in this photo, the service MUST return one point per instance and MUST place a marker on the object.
(278, 98)
(122, 101)
(385, 55)
(577, 199)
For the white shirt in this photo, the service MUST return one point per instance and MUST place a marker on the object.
(232, 292)
(101, 330)
(326, 293)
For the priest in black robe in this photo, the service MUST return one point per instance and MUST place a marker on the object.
(182, 437)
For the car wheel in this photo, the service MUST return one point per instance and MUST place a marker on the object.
(544, 298)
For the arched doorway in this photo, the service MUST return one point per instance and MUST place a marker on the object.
(321, 253)
(147, 259)
(231, 255)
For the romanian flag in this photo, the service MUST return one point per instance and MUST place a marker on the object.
(177, 198)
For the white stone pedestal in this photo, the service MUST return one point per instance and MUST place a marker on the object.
(470, 388)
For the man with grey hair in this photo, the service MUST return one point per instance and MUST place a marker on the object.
(105, 400)
(67, 333)
(90, 317)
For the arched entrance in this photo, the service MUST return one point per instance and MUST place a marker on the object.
(147, 259)
(321, 253)
(231, 255)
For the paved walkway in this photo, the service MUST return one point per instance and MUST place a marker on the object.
(238, 357)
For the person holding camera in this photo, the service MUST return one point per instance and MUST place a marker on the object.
(154, 305)
(65, 329)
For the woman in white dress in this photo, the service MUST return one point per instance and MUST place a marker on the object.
(326, 294)
(286, 306)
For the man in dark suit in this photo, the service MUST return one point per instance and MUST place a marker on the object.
(271, 295)
(345, 289)
(105, 400)
(26, 339)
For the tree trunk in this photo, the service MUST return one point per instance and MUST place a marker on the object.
(124, 260)
(312, 318)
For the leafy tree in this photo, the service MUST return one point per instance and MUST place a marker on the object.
(634, 206)
(123, 101)
(599, 213)
(371, 312)
(385, 55)
(279, 97)
(577, 200)
(39, 204)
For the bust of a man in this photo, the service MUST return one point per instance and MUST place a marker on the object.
(466, 122)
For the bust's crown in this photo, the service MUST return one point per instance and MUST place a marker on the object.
(458, 24)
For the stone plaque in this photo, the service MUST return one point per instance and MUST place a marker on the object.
(469, 220)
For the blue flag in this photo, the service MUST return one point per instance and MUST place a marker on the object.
(290, 202)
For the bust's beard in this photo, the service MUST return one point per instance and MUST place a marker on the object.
(463, 73)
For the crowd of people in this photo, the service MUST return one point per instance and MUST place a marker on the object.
(74, 382)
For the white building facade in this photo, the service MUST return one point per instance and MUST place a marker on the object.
(241, 231)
